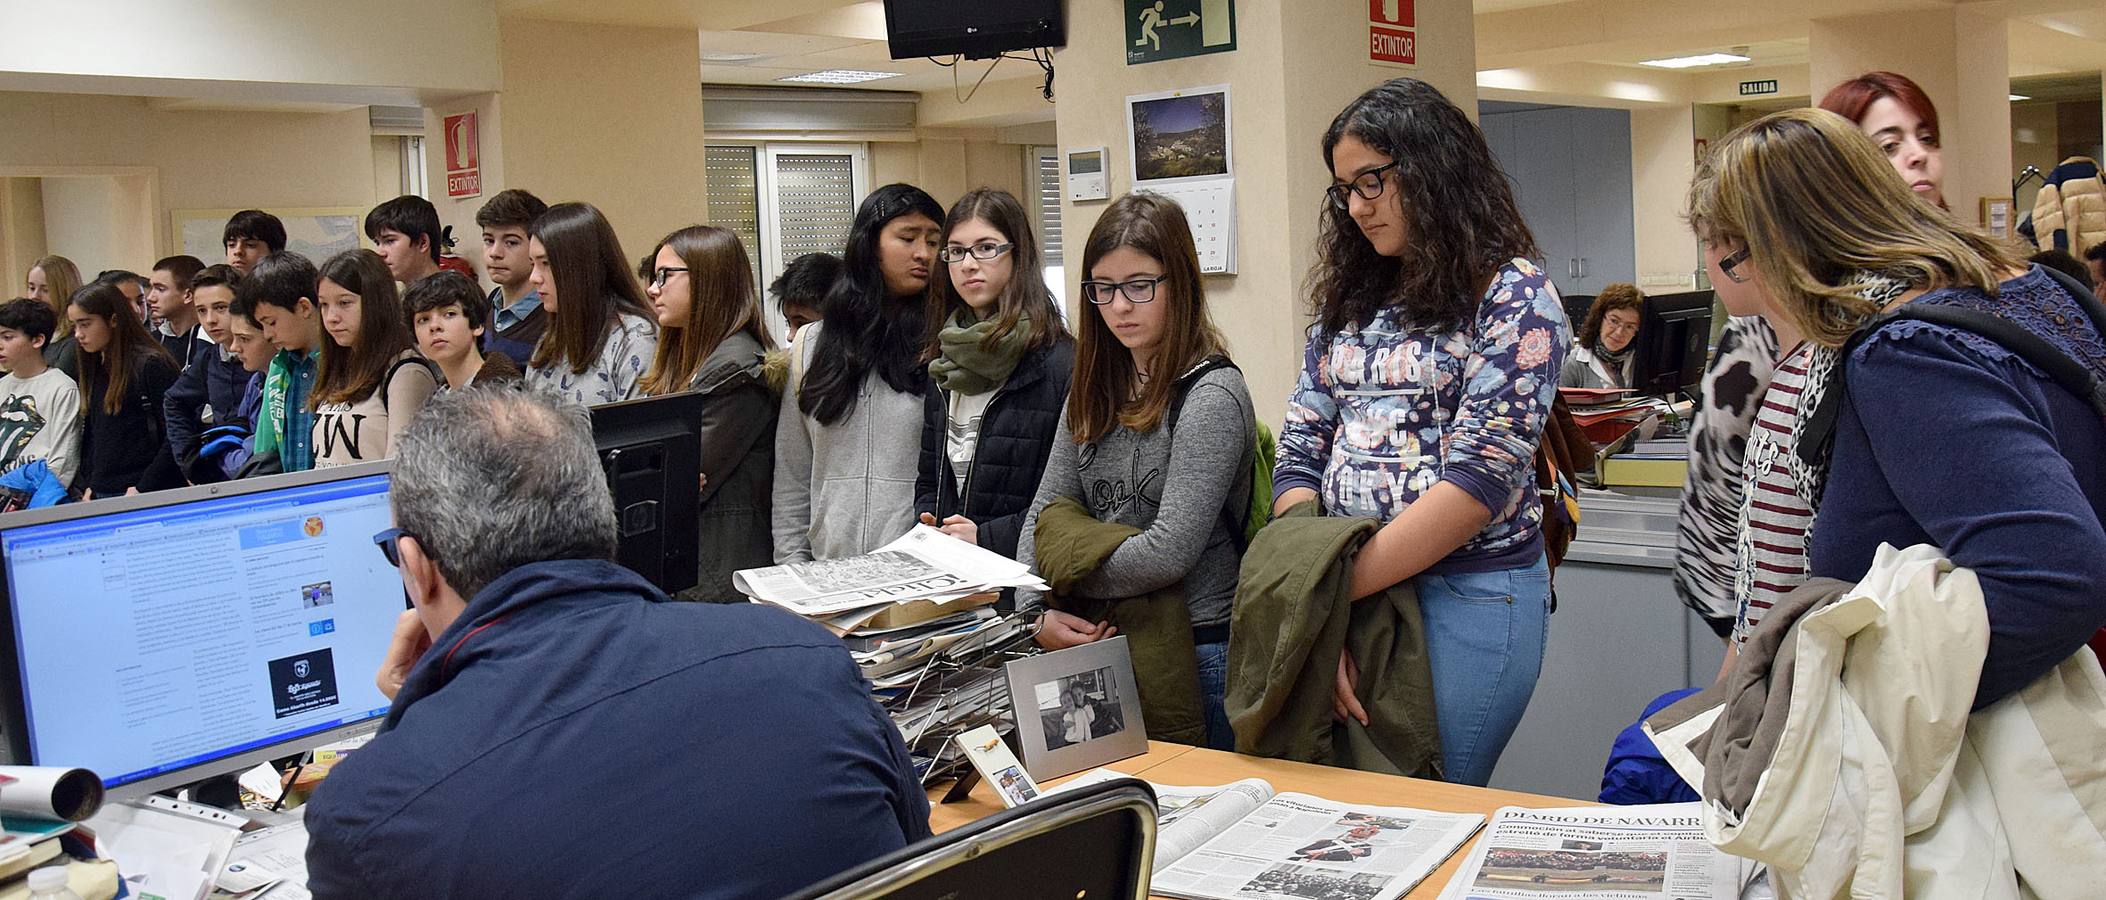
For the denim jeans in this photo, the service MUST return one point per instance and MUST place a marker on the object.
(1213, 686)
(1484, 634)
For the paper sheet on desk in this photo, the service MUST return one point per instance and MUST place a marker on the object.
(163, 854)
(280, 850)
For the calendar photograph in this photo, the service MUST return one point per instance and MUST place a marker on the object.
(1180, 135)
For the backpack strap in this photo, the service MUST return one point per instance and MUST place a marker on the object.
(2072, 375)
(1234, 522)
(430, 368)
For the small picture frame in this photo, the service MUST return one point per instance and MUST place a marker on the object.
(1077, 708)
(1996, 216)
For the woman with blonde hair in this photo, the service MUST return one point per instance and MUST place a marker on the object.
(1942, 434)
(53, 280)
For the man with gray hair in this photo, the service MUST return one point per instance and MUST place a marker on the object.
(561, 728)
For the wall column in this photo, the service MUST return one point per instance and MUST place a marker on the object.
(1294, 67)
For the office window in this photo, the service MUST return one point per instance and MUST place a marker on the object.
(733, 179)
(1046, 176)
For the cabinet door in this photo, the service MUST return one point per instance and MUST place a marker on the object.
(1542, 168)
(1606, 234)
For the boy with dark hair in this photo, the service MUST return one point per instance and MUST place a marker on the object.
(251, 235)
(517, 321)
(279, 296)
(211, 387)
(39, 405)
(229, 446)
(2095, 259)
(449, 316)
(169, 301)
(800, 287)
(406, 231)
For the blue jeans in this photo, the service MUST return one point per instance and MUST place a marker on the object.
(1484, 634)
(1213, 686)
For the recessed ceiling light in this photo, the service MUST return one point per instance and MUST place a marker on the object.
(839, 76)
(731, 57)
(1691, 62)
(2017, 97)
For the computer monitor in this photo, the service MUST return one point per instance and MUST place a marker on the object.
(652, 450)
(1673, 331)
(163, 639)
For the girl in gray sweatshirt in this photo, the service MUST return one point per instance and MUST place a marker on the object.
(1146, 342)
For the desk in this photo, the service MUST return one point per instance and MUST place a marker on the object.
(1178, 764)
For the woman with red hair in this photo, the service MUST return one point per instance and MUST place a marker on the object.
(1898, 116)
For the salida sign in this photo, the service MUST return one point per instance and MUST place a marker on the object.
(1392, 33)
(464, 171)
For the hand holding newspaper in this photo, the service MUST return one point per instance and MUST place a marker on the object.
(1246, 841)
(1599, 853)
(924, 564)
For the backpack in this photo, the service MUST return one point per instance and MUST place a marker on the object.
(2072, 375)
(1259, 512)
(1564, 450)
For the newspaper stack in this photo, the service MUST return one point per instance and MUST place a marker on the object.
(1600, 853)
(925, 569)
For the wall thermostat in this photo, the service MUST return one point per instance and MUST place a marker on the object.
(1086, 177)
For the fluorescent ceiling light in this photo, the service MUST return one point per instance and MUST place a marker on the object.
(731, 57)
(839, 76)
(2017, 97)
(1691, 62)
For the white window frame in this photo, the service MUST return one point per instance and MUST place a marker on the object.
(772, 261)
(415, 179)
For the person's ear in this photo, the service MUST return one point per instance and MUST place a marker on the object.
(419, 573)
(38, 341)
(306, 307)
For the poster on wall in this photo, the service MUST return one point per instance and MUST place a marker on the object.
(464, 169)
(316, 233)
(1180, 135)
(1392, 33)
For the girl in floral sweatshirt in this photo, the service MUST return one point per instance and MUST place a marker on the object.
(1424, 390)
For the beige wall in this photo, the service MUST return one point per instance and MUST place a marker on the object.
(439, 44)
(1295, 66)
(604, 114)
(21, 232)
(2035, 136)
(101, 222)
(1663, 160)
(460, 214)
(201, 159)
(947, 163)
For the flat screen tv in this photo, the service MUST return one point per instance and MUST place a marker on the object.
(974, 29)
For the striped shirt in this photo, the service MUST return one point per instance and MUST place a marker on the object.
(1774, 519)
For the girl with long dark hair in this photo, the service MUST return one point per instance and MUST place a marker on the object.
(601, 333)
(371, 380)
(1000, 360)
(123, 374)
(713, 340)
(1424, 390)
(1120, 459)
(845, 458)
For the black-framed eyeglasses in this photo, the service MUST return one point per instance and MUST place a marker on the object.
(386, 540)
(665, 274)
(982, 252)
(1734, 259)
(1369, 185)
(1137, 290)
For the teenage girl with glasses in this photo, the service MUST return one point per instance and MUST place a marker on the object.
(1424, 391)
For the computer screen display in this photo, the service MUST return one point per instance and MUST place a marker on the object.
(172, 638)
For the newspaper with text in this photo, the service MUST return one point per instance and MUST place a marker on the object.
(1599, 853)
(923, 564)
(1246, 841)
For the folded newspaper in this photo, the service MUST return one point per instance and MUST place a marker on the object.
(1247, 841)
(924, 564)
(1600, 853)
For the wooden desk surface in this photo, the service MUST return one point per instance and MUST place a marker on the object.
(1181, 765)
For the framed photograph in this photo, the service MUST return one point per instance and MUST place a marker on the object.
(1076, 708)
(1180, 135)
(1996, 216)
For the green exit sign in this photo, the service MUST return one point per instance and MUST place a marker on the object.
(1157, 30)
(1758, 88)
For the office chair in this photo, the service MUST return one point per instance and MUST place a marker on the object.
(1092, 843)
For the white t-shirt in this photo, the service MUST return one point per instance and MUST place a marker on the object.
(962, 433)
(40, 419)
